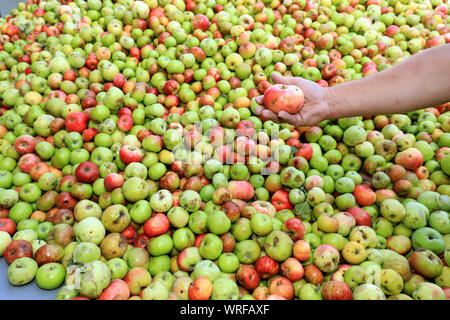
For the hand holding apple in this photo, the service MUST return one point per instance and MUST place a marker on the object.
(316, 106)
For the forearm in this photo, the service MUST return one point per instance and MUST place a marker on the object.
(420, 81)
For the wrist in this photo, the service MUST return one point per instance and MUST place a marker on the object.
(331, 102)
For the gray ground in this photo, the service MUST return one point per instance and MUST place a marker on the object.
(30, 291)
(7, 5)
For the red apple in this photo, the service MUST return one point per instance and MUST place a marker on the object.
(49, 253)
(301, 250)
(156, 225)
(364, 196)
(25, 144)
(8, 225)
(336, 290)
(305, 151)
(200, 289)
(411, 159)
(113, 180)
(201, 22)
(116, 290)
(27, 161)
(282, 287)
(248, 277)
(280, 97)
(294, 228)
(87, 172)
(292, 269)
(361, 216)
(245, 128)
(76, 121)
(129, 154)
(280, 200)
(266, 267)
(18, 249)
(241, 190)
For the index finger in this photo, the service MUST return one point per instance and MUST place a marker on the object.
(279, 79)
(260, 100)
(294, 119)
(269, 115)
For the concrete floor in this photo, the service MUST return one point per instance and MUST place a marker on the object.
(7, 5)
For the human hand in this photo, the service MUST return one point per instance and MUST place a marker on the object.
(315, 108)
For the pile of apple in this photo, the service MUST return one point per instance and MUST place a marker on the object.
(133, 164)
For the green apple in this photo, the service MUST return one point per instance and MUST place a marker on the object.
(228, 262)
(94, 277)
(309, 291)
(428, 291)
(225, 289)
(391, 282)
(375, 255)
(118, 268)
(354, 276)
(90, 229)
(190, 200)
(261, 224)
(140, 211)
(444, 279)
(5, 240)
(28, 235)
(155, 291)
(22, 271)
(392, 210)
(368, 291)
(416, 215)
(85, 252)
(210, 247)
(440, 221)
(218, 222)
(334, 239)
(66, 293)
(247, 251)
(428, 238)
(160, 245)
(399, 264)
(166, 278)
(430, 199)
(50, 276)
(278, 245)
(411, 285)
(178, 217)
(206, 268)
(158, 264)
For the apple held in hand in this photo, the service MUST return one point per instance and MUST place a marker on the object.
(280, 97)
